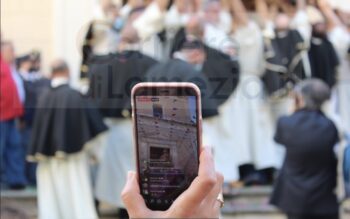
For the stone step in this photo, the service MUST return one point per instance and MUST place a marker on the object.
(24, 200)
(243, 203)
(248, 201)
(239, 201)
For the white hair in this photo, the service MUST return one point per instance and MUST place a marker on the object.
(314, 93)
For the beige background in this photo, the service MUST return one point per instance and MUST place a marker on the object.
(55, 27)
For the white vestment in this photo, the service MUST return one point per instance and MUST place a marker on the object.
(117, 160)
(64, 188)
(340, 39)
(147, 26)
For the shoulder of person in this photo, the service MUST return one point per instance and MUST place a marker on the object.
(214, 53)
(283, 120)
(99, 59)
(146, 58)
(330, 123)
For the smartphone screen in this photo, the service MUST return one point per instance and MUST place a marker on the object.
(167, 134)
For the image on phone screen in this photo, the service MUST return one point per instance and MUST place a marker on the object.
(166, 129)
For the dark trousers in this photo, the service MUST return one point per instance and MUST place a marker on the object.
(11, 154)
(30, 168)
(306, 216)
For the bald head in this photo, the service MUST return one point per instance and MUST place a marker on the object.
(282, 21)
(8, 51)
(59, 68)
(129, 35)
(313, 93)
(195, 27)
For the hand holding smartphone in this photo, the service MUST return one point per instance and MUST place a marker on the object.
(167, 129)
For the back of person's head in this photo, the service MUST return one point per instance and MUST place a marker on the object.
(135, 13)
(192, 51)
(312, 93)
(59, 68)
(8, 51)
(282, 22)
(209, 5)
(195, 27)
(212, 9)
(129, 35)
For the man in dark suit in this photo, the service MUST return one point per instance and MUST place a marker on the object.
(306, 184)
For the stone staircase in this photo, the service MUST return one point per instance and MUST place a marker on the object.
(25, 201)
(240, 203)
(249, 203)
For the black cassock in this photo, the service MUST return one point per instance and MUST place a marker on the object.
(222, 72)
(112, 78)
(64, 121)
(33, 89)
(175, 70)
(323, 60)
(284, 67)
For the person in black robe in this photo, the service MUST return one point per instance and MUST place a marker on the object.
(34, 83)
(64, 123)
(64, 120)
(283, 56)
(221, 69)
(111, 80)
(182, 68)
(322, 56)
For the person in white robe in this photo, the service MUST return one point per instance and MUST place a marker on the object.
(339, 35)
(247, 127)
(117, 159)
(148, 25)
(118, 155)
(217, 24)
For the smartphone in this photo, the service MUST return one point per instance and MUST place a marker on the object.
(167, 131)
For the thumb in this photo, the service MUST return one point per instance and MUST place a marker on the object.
(132, 198)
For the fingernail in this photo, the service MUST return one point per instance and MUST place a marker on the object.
(208, 149)
(130, 175)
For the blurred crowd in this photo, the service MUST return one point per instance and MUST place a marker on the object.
(247, 56)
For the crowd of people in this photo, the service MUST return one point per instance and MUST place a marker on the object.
(253, 61)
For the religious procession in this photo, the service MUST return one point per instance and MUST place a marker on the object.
(254, 122)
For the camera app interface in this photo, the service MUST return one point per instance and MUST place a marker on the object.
(167, 146)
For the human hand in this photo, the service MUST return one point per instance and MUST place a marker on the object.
(136, 3)
(198, 201)
(323, 4)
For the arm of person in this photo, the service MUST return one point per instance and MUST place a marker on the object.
(198, 201)
(332, 19)
(240, 15)
(136, 3)
(301, 5)
(162, 4)
(301, 21)
(279, 131)
(152, 19)
(262, 11)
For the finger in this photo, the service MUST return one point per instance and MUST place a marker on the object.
(132, 198)
(203, 183)
(217, 208)
(202, 148)
(214, 193)
(218, 204)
